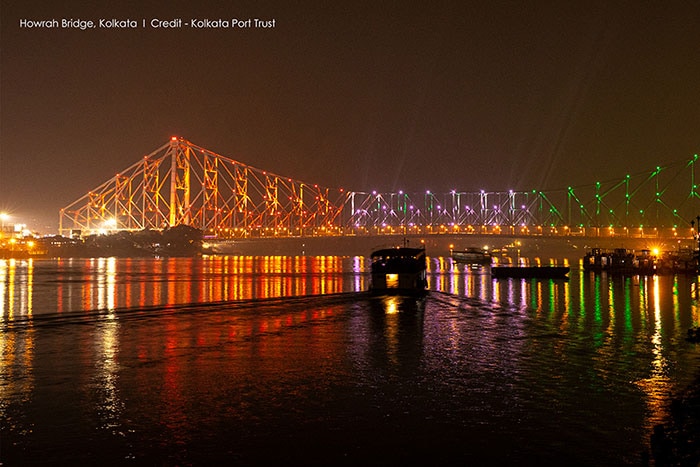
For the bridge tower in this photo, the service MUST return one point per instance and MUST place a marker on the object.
(181, 183)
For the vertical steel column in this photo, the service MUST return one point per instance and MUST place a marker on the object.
(173, 182)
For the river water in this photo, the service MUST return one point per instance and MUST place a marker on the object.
(286, 360)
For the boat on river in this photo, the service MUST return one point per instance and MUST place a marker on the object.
(619, 260)
(401, 270)
(643, 262)
(530, 272)
(472, 255)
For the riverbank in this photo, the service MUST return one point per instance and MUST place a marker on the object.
(187, 241)
(525, 246)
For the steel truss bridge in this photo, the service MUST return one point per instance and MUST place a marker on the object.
(182, 183)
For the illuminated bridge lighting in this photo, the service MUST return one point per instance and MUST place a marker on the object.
(182, 183)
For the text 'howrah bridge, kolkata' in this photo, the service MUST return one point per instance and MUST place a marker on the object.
(182, 183)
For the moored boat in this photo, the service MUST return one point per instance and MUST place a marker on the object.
(399, 270)
(642, 262)
(619, 260)
(472, 255)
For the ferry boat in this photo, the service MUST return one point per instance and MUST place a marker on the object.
(472, 255)
(643, 262)
(620, 260)
(399, 270)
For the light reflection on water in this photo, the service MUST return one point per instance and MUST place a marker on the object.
(68, 285)
(497, 352)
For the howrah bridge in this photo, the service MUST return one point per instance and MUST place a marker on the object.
(181, 183)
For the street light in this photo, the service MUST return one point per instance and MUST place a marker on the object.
(3, 217)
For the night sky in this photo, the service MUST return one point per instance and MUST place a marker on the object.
(361, 95)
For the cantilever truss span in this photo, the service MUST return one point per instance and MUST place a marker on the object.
(661, 198)
(181, 183)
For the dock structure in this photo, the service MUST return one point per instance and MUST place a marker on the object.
(624, 261)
